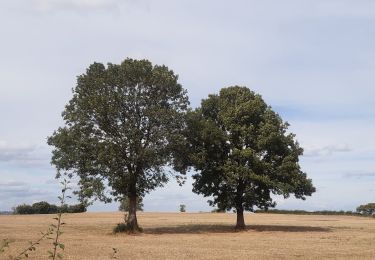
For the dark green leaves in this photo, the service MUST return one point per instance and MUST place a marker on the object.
(242, 152)
(122, 126)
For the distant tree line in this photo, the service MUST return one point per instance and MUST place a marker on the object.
(44, 207)
(304, 212)
(362, 210)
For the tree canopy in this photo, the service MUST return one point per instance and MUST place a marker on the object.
(366, 209)
(243, 153)
(121, 128)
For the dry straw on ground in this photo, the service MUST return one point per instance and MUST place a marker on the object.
(201, 236)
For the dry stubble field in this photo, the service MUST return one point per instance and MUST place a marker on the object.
(201, 236)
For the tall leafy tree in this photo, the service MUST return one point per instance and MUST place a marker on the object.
(121, 128)
(243, 153)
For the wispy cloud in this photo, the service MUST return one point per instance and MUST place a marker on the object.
(359, 175)
(73, 4)
(23, 154)
(89, 5)
(13, 193)
(19, 190)
(5, 185)
(344, 8)
(326, 150)
(9, 152)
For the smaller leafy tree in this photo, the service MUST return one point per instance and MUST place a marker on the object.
(182, 208)
(367, 209)
(243, 153)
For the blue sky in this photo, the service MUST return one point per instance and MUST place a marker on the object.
(313, 61)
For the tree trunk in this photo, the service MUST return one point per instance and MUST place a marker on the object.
(240, 225)
(131, 222)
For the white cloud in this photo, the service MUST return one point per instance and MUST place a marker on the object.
(14, 192)
(327, 150)
(12, 184)
(23, 154)
(52, 4)
(11, 152)
(346, 8)
(360, 175)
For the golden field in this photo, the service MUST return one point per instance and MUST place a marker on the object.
(199, 236)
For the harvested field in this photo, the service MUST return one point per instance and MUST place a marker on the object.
(200, 236)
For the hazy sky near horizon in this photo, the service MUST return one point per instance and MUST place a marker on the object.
(313, 61)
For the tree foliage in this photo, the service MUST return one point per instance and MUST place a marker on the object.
(125, 204)
(367, 209)
(182, 208)
(243, 153)
(121, 128)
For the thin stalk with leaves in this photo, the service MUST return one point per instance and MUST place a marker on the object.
(32, 245)
(57, 228)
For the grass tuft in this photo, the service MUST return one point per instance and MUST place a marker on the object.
(123, 228)
(120, 228)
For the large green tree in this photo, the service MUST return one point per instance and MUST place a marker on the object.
(121, 128)
(243, 153)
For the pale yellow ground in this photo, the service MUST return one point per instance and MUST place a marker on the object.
(200, 236)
